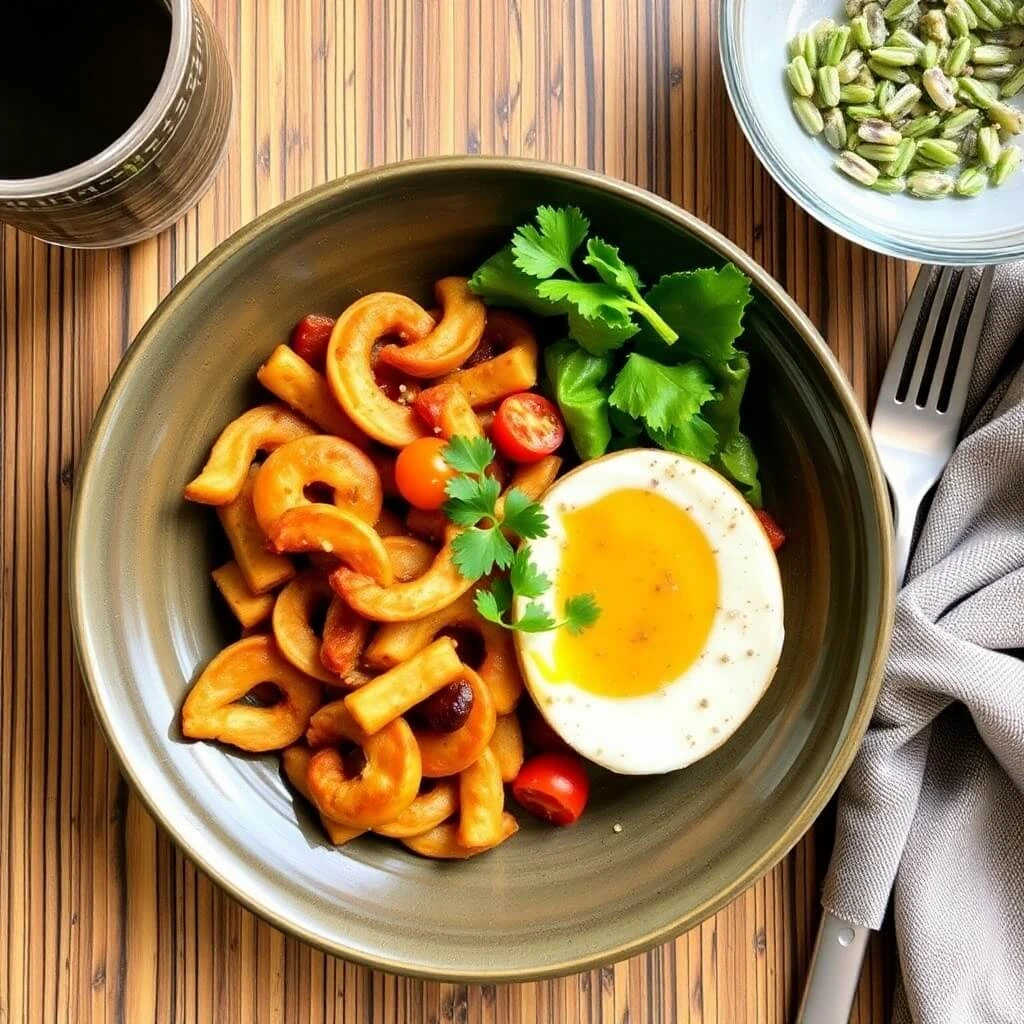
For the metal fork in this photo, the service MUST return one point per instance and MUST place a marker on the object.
(915, 427)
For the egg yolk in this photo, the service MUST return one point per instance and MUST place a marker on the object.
(654, 575)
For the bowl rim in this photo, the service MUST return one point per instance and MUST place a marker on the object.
(77, 566)
(884, 242)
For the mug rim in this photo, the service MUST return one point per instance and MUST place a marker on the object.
(124, 145)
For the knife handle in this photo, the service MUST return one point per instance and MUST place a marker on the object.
(834, 972)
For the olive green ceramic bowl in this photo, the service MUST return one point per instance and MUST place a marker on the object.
(551, 900)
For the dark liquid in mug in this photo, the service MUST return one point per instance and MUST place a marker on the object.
(73, 78)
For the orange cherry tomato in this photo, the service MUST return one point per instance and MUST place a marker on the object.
(421, 473)
(771, 528)
(527, 427)
(310, 337)
(553, 786)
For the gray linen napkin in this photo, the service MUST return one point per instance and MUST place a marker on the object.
(933, 808)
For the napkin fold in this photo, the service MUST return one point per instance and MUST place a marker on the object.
(933, 808)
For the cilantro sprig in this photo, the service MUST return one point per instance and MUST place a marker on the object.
(483, 545)
(600, 311)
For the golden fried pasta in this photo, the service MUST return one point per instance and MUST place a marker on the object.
(211, 711)
(440, 585)
(263, 428)
(350, 354)
(325, 528)
(292, 622)
(403, 687)
(396, 642)
(288, 376)
(344, 637)
(512, 371)
(481, 802)
(425, 812)
(442, 842)
(507, 744)
(387, 784)
(262, 569)
(249, 608)
(317, 460)
(451, 342)
(448, 753)
(295, 762)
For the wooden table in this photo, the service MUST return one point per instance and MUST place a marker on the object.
(101, 918)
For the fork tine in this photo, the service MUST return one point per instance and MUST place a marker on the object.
(905, 337)
(938, 381)
(928, 335)
(965, 363)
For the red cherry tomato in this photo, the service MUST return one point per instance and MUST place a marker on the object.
(421, 473)
(527, 427)
(553, 786)
(771, 528)
(310, 337)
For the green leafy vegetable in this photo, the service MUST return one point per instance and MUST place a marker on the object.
(696, 438)
(663, 397)
(499, 282)
(705, 308)
(576, 379)
(661, 362)
(482, 546)
(599, 336)
(543, 253)
(737, 461)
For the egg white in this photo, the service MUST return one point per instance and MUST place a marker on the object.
(693, 714)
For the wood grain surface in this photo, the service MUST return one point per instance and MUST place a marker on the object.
(102, 919)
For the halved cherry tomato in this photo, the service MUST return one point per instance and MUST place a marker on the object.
(421, 473)
(310, 337)
(553, 786)
(771, 528)
(527, 427)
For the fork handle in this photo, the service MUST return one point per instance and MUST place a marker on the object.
(834, 973)
(904, 520)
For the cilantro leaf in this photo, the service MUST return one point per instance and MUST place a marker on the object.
(599, 336)
(694, 437)
(523, 516)
(525, 578)
(471, 499)
(605, 259)
(476, 552)
(469, 454)
(662, 396)
(705, 308)
(581, 612)
(594, 300)
(499, 282)
(489, 605)
(542, 253)
(501, 588)
(535, 619)
(598, 300)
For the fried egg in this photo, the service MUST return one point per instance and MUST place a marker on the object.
(691, 624)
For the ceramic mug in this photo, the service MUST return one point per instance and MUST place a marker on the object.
(116, 126)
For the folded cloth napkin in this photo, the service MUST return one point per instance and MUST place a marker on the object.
(933, 808)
